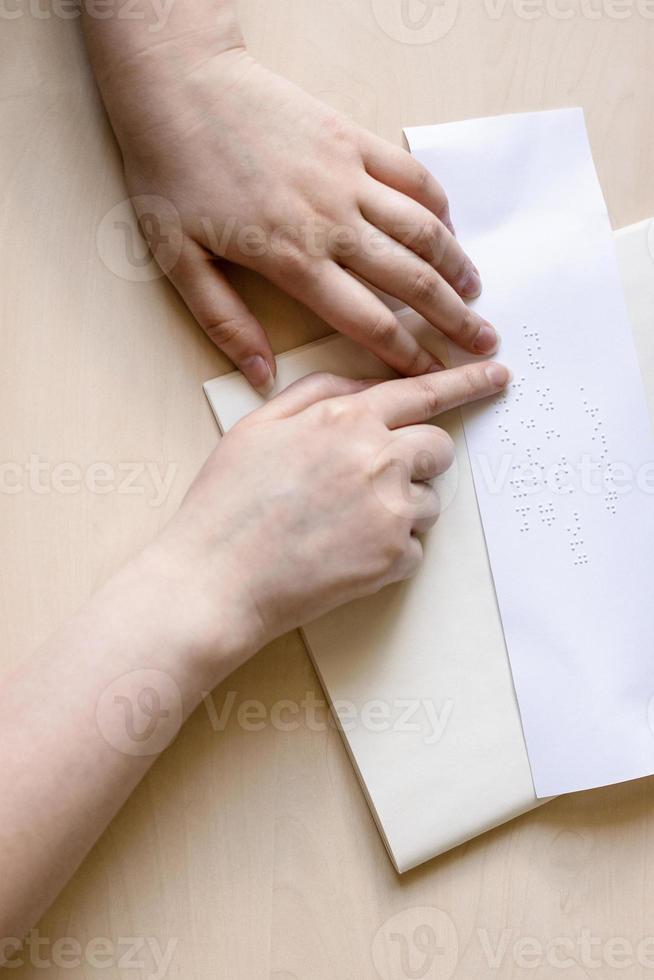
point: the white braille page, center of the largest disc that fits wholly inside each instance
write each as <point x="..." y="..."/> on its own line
<point x="563" y="464"/>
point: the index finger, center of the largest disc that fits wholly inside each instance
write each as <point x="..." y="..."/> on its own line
<point x="410" y="401"/>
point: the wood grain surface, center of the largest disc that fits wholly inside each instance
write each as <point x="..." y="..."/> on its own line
<point x="253" y="852"/>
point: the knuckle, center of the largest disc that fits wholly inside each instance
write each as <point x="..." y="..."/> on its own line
<point x="420" y="178"/>
<point x="424" y="185"/>
<point x="382" y="329"/>
<point x="394" y="546"/>
<point x="333" y="411"/>
<point x="444" y="215"/>
<point x="419" y="362"/>
<point x="443" y="205"/>
<point x="441" y="201"/>
<point x="339" y="128"/>
<point x="430" y="396"/>
<point x="225" y="332"/>
<point x="416" y="235"/>
<point x="434" y="457"/>
<point x="473" y="379"/>
<point x="466" y="279"/>
<point x="294" y="263"/>
<point x="426" y="464"/>
<point x="438" y="242"/>
<point x="323" y="379"/>
<point x="424" y="285"/>
<point x="429" y="240"/>
<point x="463" y="273"/>
<point x="323" y="384"/>
<point x="468" y="326"/>
<point x="343" y="239"/>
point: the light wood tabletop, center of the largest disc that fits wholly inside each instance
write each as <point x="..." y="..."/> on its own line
<point x="252" y="854"/>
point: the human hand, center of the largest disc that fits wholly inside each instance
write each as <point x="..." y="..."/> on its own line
<point x="313" y="500"/>
<point x="251" y="169"/>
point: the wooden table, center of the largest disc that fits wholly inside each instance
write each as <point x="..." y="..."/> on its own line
<point x="254" y="852"/>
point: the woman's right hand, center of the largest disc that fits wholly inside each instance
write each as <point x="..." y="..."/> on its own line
<point x="313" y="500"/>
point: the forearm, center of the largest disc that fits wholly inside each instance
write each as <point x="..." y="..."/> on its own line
<point x="155" y="48"/>
<point x="83" y="721"/>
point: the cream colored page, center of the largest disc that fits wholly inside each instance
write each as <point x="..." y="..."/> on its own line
<point x="449" y="762"/>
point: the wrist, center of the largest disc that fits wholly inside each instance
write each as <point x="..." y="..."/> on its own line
<point x="202" y="613"/>
<point x="141" y="63"/>
<point x="160" y="608"/>
<point x="208" y="26"/>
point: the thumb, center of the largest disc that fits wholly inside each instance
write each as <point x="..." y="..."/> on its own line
<point x="223" y="315"/>
<point x="309" y="390"/>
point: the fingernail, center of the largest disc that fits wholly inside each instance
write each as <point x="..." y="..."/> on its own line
<point x="435" y="366"/>
<point x="470" y="285"/>
<point x="498" y="374"/>
<point x="257" y="371"/>
<point x="486" y="340"/>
